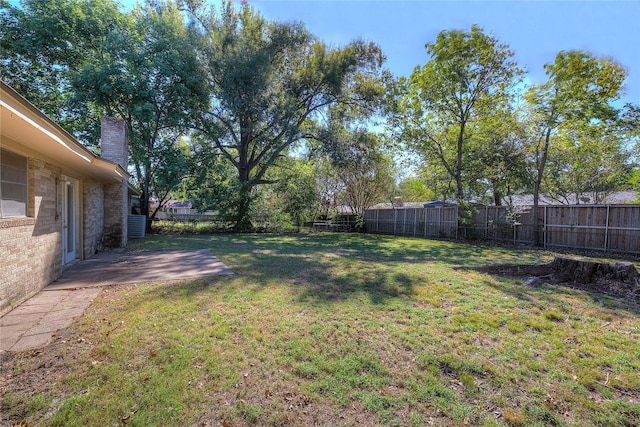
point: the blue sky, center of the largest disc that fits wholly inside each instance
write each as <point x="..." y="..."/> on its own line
<point x="535" y="30"/>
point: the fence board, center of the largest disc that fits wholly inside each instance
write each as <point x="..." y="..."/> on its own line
<point x="608" y="228"/>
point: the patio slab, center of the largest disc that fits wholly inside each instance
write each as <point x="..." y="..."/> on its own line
<point x="34" y="322"/>
<point x="111" y="268"/>
<point x="31" y="325"/>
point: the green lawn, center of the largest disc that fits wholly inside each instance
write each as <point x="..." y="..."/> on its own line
<point x="340" y="329"/>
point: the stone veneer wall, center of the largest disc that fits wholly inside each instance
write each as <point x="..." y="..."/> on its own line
<point x="93" y="216"/>
<point x="31" y="247"/>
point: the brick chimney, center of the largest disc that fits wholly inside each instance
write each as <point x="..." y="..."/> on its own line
<point x="113" y="141"/>
<point x="115" y="148"/>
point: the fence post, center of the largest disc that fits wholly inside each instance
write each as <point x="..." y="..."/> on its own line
<point x="486" y="222"/>
<point x="606" y="231"/>
<point x="424" y="216"/>
<point x="457" y="220"/>
<point x="395" y="219"/>
<point x="572" y="237"/>
<point x="544" y="227"/>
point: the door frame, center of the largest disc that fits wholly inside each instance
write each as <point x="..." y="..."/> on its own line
<point x="70" y="219"/>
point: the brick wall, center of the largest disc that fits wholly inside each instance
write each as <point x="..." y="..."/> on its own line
<point x="93" y="216"/>
<point x="115" y="214"/>
<point x="31" y="247"/>
<point x="115" y="147"/>
<point x="113" y="141"/>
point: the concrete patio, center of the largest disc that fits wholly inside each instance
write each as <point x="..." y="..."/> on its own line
<point x="34" y="322"/>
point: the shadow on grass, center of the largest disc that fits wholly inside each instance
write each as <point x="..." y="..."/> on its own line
<point x="323" y="268"/>
<point x="548" y="296"/>
<point x="329" y="267"/>
<point x="362" y="247"/>
<point x="379" y="285"/>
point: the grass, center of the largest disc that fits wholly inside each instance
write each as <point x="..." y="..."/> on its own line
<point x="339" y="329"/>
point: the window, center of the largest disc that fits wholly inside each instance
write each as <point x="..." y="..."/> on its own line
<point x="13" y="185"/>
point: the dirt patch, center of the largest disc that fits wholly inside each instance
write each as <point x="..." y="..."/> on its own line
<point x="24" y="375"/>
<point x="620" y="280"/>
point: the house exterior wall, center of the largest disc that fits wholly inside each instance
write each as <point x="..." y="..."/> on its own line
<point x="115" y="147"/>
<point x="115" y="218"/>
<point x="31" y="247"/>
<point x="92" y="216"/>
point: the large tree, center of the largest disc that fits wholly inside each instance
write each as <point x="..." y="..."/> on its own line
<point x="44" y="43"/>
<point x="79" y="60"/>
<point x="364" y="170"/>
<point x="469" y="73"/>
<point x="497" y="159"/>
<point x="580" y="90"/>
<point x="269" y="81"/>
<point x="590" y="161"/>
<point x="147" y="74"/>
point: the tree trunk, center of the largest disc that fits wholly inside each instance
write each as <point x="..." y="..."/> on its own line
<point x="536" y="215"/>
<point x="462" y="211"/>
<point x="459" y="187"/>
<point x="242" y="221"/>
<point x="497" y="195"/>
<point x="144" y="207"/>
<point x="536" y="188"/>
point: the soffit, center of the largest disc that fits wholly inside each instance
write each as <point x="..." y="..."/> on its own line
<point x="21" y="122"/>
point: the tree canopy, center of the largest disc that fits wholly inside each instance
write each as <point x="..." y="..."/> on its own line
<point x="575" y="101"/>
<point x="269" y="82"/>
<point x="469" y="75"/>
<point x="228" y="108"/>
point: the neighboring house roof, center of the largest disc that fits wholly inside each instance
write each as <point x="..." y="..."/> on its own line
<point x="614" y="198"/>
<point x="437" y="204"/>
<point x="411" y="205"/>
<point x="344" y="210"/>
<point x="22" y="121"/>
<point x="178" y="204"/>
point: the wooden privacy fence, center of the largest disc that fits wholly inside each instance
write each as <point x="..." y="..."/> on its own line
<point x="608" y="228"/>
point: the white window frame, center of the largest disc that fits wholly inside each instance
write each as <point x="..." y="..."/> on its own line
<point x="13" y="179"/>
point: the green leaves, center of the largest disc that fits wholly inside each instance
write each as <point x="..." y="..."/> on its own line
<point x="576" y="99"/>
<point x="269" y="81"/>
<point x="469" y="75"/>
<point x="44" y="44"/>
<point x="150" y="77"/>
<point x="580" y="86"/>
